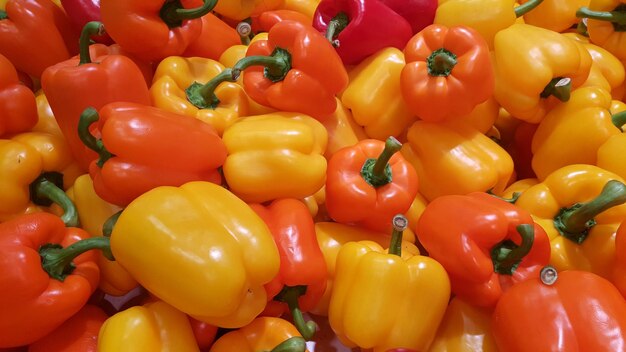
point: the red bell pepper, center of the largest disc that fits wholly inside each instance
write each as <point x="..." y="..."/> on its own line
<point x="18" y="109"/>
<point x="43" y="284"/>
<point x="204" y="333"/>
<point x="301" y="280"/>
<point x="75" y="84"/>
<point x="369" y="183"/>
<point x="419" y="13"/>
<point x="571" y="311"/>
<point x="143" y="147"/>
<point x="359" y="28"/>
<point x="81" y="12"/>
<point x="485" y="244"/>
<point x="35" y="34"/>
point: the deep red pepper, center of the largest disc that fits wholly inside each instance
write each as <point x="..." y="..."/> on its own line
<point x="359" y="28"/>
<point x="419" y="13"/>
<point x="80" y="12"/>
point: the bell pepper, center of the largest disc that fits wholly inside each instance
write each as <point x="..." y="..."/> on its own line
<point x="331" y="236"/>
<point x="275" y="156"/>
<point x="565" y="311"/>
<point x="154" y="30"/>
<point x="78" y="334"/>
<point x="520" y="149"/>
<point x="236" y="9"/>
<point x="215" y="37"/>
<point x="547" y="66"/>
<point x="488" y="17"/>
<point x="75" y="84"/>
<point x="342" y="129"/>
<point x="306" y="7"/>
<point x="301" y="280"/>
<point x="171" y="91"/>
<point x="609" y="155"/>
<point x="585" y="119"/>
<point x="360" y="28"/>
<point x="219" y="253"/>
<point x="483" y="117"/>
<point x="606" y="25"/>
<point x="555" y="15"/>
<point x="465" y="328"/>
<point x="45" y="290"/>
<point x="471" y="161"/>
<point x="81" y="12"/>
<point x="203" y="332"/>
<point x="374" y="95"/>
<point x="45" y="118"/>
<point x="264" y="21"/>
<point x="368" y="184"/>
<point x="18" y="110"/>
<point x="368" y="278"/>
<point x="155" y="326"/>
<point x="419" y="13"/>
<point x="490" y="245"/>
<point x="37" y="167"/>
<point x="23" y="26"/>
<point x="579" y="208"/>
<point x="448" y="72"/>
<point x="618" y="275"/>
<point x="263" y="334"/>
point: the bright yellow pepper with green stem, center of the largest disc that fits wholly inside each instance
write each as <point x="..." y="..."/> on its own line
<point x="155" y="326"/>
<point x="374" y="95"/>
<point x="455" y="158"/>
<point x="199" y="248"/>
<point x="535" y="69"/>
<point x="263" y="334"/>
<point x="555" y="15"/>
<point x="279" y="155"/>
<point x="611" y="154"/>
<point x="606" y="25"/>
<point x="377" y="295"/>
<point x="580" y="207"/>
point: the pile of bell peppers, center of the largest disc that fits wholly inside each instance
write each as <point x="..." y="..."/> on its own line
<point x="312" y="175"/>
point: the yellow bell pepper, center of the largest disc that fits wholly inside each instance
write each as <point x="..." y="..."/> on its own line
<point x="331" y="236"/>
<point x="93" y="212"/>
<point x="535" y="68"/>
<point x="176" y="74"/>
<point x="415" y="211"/>
<point x="465" y="328"/>
<point x="274" y="156"/>
<point x="377" y="295"/>
<point x="374" y="97"/>
<point x="305" y="7"/>
<point x="606" y="25"/>
<point x="572" y="132"/>
<point x="483" y="116"/>
<point x="199" y="248"/>
<point x="611" y="153"/>
<point x="555" y="15"/>
<point x="262" y="334"/>
<point x="267" y="5"/>
<point x="46" y="122"/>
<point x="237" y="9"/>
<point x="26" y="157"/>
<point x="155" y="326"/>
<point x="456" y="159"/>
<point x="581" y="231"/>
<point x="342" y="130"/>
<point x="605" y="64"/>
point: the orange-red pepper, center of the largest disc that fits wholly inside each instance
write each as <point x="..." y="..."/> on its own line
<point x="216" y="36"/>
<point x="18" y="110"/>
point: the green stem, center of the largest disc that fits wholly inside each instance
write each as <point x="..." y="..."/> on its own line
<point x="87" y="118"/>
<point x="576" y="221"/>
<point x="292" y="344"/>
<point x="57" y="261"/>
<point x="277" y="65"/>
<point x="377" y="172"/>
<point x="90" y="29"/>
<point x="173" y="13"/>
<point x="619" y="119"/>
<point x="507" y="255"/>
<point x="559" y="87"/>
<point x="3" y="15"/>
<point x="581" y="28"/>
<point x="290" y="295"/>
<point x="617" y="16"/>
<point x="511" y="200"/>
<point x="48" y="189"/>
<point x="109" y="224"/>
<point x="524" y="8"/>
<point x="335" y="26"/>
<point x="400" y="223"/>
<point x="441" y="62"/>
<point x="203" y="96"/>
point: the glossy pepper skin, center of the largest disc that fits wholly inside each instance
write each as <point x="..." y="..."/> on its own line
<point x="237" y="9"/>
<point x="555" y="15"/>
<point x="310" y="74"/>
<point x="278" y="155"/>
<point x="37" y="303"/>
<point x="154" y="30"/>
<point x="78" y="334"/>
<point x="140" y="148"/>
<point x="490" y="245"/>
<point x="262" y="334"/>
<point x="80" y="12"/>
<point x="362" y="188"/>
<point x="528" y="86"/>
<point x="586" y="242"/>
<point x="471" y="161"/>
<point x="368" y="26"/>
<point x="606" y="25"/>
<point x="264" y="21"/>
<point x="301" y="280"/>
<point x="609" y="153"/>
<point x="215" y="37"/>
<point x="448" y="72"/>
<point x="342" y="130"/>
<point x="219" y="254"/>
<point x="155" y="326"/>
<point x="585" y="311"/>
<point x="23" y="26"/>
<point x="618" y="277"/>
<point x="73" y="85"/>
<point x="18" y="110"/>
<point x="176" y="74"/>
<point x="419" y="13"/>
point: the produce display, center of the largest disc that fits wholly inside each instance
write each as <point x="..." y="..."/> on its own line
<point x="313" y="175"/>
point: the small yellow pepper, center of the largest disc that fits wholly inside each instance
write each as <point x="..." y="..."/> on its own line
<point x="262" y="334"/>
<point x="274" y="156"/>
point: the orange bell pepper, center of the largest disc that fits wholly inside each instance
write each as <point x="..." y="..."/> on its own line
<point x="215" y="37"/>
<point x="266" y="334"/>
